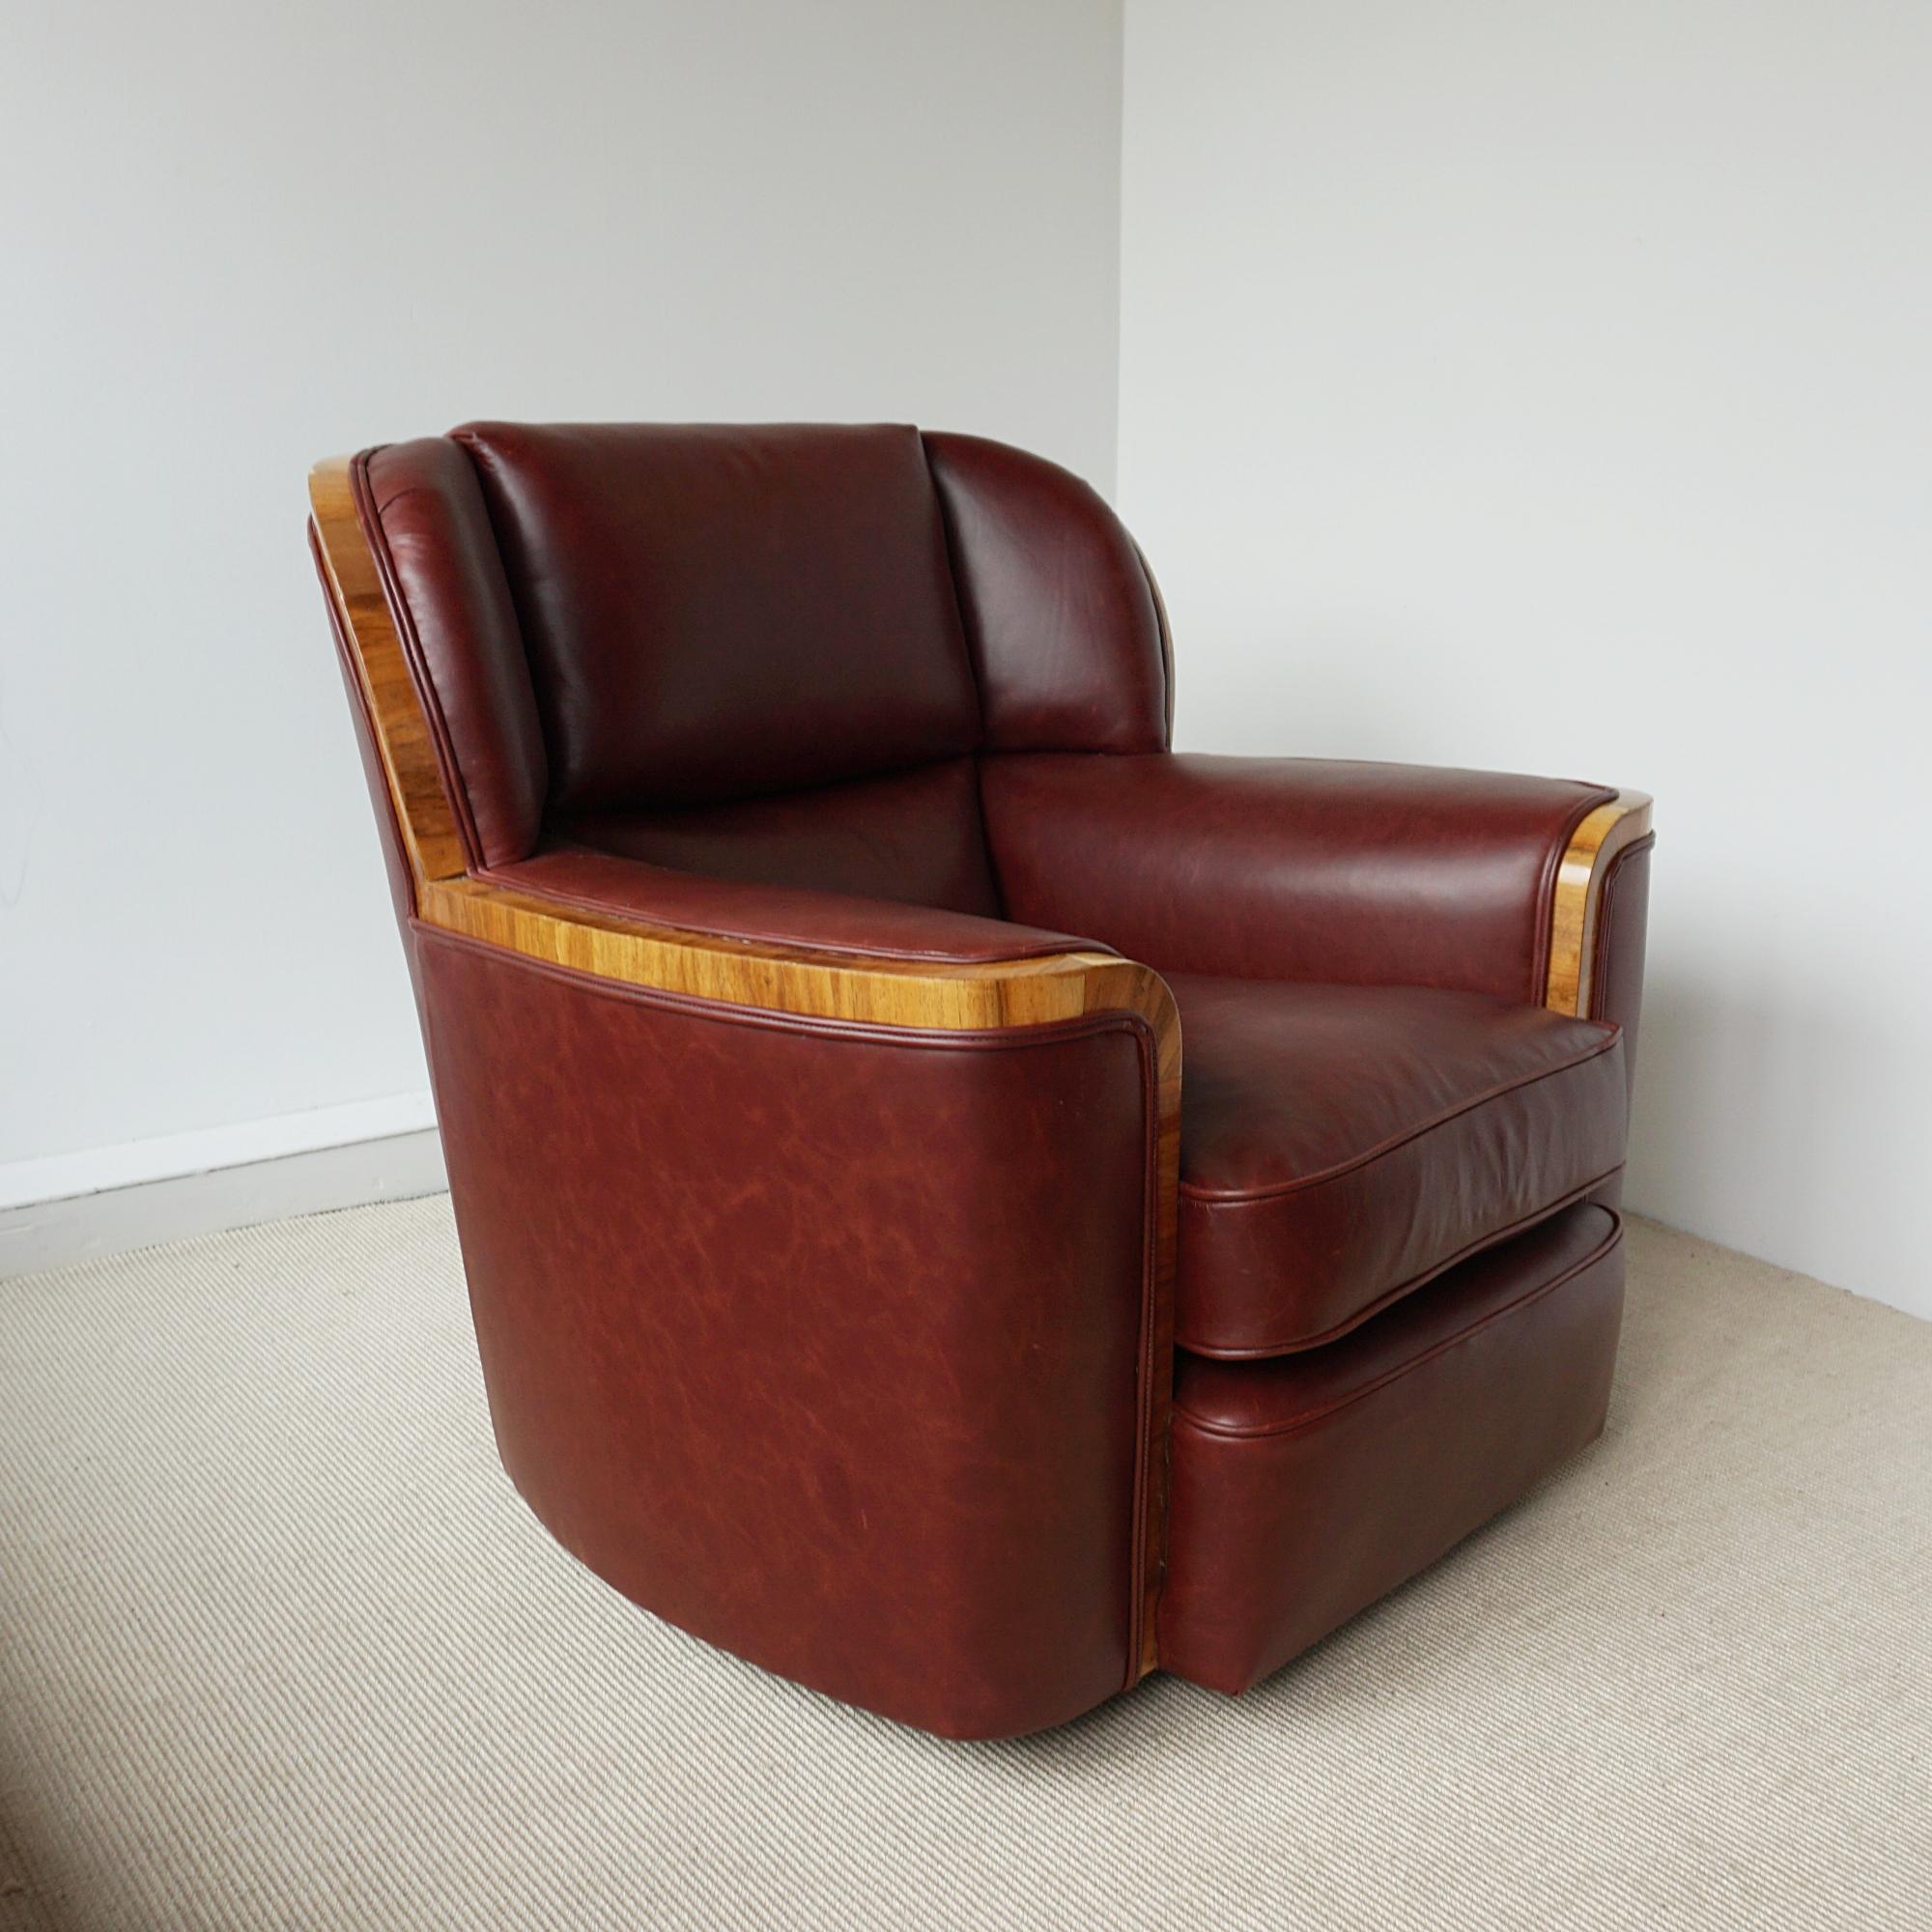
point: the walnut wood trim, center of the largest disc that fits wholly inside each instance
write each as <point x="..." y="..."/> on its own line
<point x="431" y="843"/>
<point x="795" y="979"/>
<point x="802" y="980"/>
<point x="1581" y="877"/>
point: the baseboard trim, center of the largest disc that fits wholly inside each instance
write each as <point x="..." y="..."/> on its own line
<point x="73" y="1208"/>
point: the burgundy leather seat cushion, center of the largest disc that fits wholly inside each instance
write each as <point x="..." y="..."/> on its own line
<point x="1341" y="1144"/>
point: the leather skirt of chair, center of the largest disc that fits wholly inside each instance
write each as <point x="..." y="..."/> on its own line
<point x="1307" y="1486"/>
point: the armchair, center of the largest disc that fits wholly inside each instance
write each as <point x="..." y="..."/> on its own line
<point x="805" y="912"/>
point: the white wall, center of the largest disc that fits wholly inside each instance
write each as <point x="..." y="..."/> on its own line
<point x="1547" y="384"/>
<point x="1530" y="385"/>
<point x="236" y="238"/>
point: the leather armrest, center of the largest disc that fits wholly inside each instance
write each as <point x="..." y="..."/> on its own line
<point x="808" y="953"/>
<point x="1298" y="869"/>
<point x="782" y="915"/>
<point x="845" y="1347"/>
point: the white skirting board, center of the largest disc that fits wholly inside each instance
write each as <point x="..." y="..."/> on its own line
<point x="70" y="1207"/>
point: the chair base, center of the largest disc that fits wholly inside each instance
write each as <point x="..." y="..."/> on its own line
<point x="1306" y="1486"/>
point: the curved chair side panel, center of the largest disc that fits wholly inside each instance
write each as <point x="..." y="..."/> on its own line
<point x="839" y="1347"/>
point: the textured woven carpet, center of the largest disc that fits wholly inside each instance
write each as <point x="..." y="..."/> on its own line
<point x="279" y="1647"/>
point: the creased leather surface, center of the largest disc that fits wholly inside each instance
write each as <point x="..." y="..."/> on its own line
<point x="714" y="611"/>
<point x="1305" y="1488"/>
<point x="1339" y="1144"/>
<point x="780" y="914"/>
<point x="1062" y="616"/>
<point x="912" y="836"/>
<point x="1289" y="868"/>
<point x="424" y="516"/>
<point x="822" y="1341"/>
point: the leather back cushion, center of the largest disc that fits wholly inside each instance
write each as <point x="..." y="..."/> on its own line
<point x="722" y="612"/>
<point x="760" y="653"/>
<point x="1067" y="631"/>
<point x="427" y="528"/>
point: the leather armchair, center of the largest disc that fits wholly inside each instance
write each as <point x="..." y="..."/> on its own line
<point x="805" y="912"/>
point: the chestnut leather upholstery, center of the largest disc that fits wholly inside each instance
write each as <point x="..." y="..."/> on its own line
<point x="826" y="922"/>
<point x="1342" y="1144"/>
<point x="912" y="836"/>
<point x="753" y="1392"/>
<point x="1304" y="1487"/>
<point x="1067" y="635"/>
<point x="717" y="612"/>
<point x="1291" y="868"/>
<point x="841" y="1344"/>
<point x="446" y="587"/>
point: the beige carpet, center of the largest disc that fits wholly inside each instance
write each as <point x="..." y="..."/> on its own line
<point x="279" y="1647"/>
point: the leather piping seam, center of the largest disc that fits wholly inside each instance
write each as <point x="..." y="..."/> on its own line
<point x="1600" y="964"/>
<point x="884" y="1032"/>
<point x="352" y="668"/>
<point x="795" y="948"/>
<point x="969" y="629"/>
<point x="975" y="653"/>
<point x="1298" y="1345"/>
<point x="1594" y="797"/>
<point x="1165" y="634"/>
<point x="363" y="495"/>
<point x="1047" y="1032"/>
<point x="1309" y="1418"/>
<point x="1144" y="1600"/>
<point x="1242" y="1197"/>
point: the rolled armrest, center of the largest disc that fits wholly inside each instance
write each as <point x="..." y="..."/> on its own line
<point x="787" y="916"/>
<point x="842" y="1345"/>
<point x="1311" y="870"/>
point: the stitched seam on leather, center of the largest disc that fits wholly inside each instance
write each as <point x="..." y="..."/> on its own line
<point x="1259" y="1350"/>
<point x="1600" y="966"/>
<point x="773" y="1017"/>
<point x="1166" y="637"/>
<point x="587" y="903"/>
<point x="386" y="802"/>
<point x="1546" y="894"/>
<point x="969" y="638"/>
<point x="1145" y="1539"/>
<point x="362" y="493"/>
<point x="1242" y="1197"/>
<point x="993" y="871"/>
<point x="1308" y="1418"/>
<point x="969" y="632"/>
<point x="482" y="459"/>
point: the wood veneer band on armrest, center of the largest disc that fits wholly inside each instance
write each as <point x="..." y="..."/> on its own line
<point x="790" y="978"/>
<point x="1585" y="866"/>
